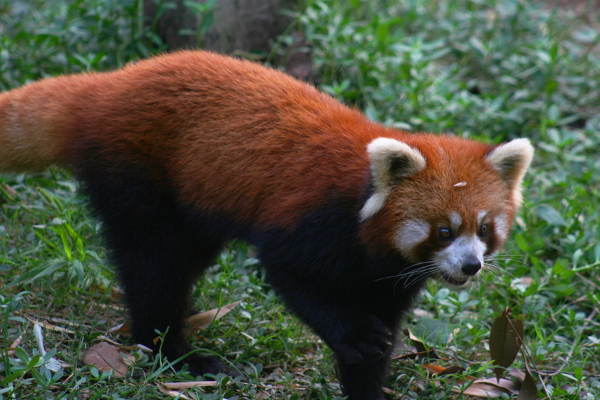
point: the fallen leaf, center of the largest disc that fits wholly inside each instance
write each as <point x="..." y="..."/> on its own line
<point x="106" y="357"/>
<point x="506" y="384"/>
<point x="454" y="369"/>
<point x="419" y="345"/>
<point x="49" y="326"/>
<point x="202" y="320"/>
<point x="172" y="393"/>
<point x="517" y="374"/>
<point x="505" y="342"/>
<point x="188" y="385"/>
<point x="421" y="350"/>
<point x="123" y="329"/>
<point x="14" y="345"/>
<point x="481" y="390"/>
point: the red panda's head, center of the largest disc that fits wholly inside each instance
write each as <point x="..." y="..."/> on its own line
<point x="444" y="203"/>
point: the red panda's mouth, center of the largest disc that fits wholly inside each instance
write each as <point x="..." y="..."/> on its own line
<point x="455" y="281"/>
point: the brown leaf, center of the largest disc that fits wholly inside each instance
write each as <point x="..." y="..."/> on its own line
<point x="506" y="384"/>
<point x="105" y="357"/>
<point x="188" y="385"/>
<point x="422" y="351"/>
<point x="51" y="327"/>
<point x="505" y="341"/>
<point x="202" y="320"/>
<point x="481" y="390"/>
<point x="419" y="345"/>
<point x="453" y="369"/>
<point x="528" y="387"/>
<point x="436" y="369"/>
<point x="11" y="349"/>
<point x="123" y="329"/>
<point x="172" y="393"/>
<point x="517" y="374"/>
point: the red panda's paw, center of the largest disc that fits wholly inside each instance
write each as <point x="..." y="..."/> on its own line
<point x="367" y="340"/>
<point x="199" y="365"/>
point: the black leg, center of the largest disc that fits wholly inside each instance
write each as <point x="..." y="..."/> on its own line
<point x="361" y="341"/>
<point x="158" y="252"/>
<point x="158" y="278"/>
<point x="364" y="380"/>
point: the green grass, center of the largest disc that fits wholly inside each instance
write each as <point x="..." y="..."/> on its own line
<point x="490" y="70"/>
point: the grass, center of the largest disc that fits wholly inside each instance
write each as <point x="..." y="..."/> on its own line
<point x="490" y="70"/>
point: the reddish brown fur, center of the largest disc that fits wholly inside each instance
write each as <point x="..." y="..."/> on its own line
<point x="263" y="123"/>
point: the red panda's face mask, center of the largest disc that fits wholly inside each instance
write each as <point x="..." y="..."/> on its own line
<point x="445" y="206"/>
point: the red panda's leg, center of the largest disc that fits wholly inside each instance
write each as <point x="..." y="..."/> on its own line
<point x="158" y="254"/>
<point x="157" y="278"/>
<point x="361" y="341"/>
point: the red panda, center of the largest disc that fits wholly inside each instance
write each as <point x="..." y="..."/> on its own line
<point x="184" y="152"/>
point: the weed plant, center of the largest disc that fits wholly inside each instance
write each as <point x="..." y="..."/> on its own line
<point x="490" y="70"/>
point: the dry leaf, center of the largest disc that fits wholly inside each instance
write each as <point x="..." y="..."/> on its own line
<point x="422" y="350"/>
<point x="506" y="384"/>
<point x="202" y="320"/>
<point x="172" y="393"/>
<point x="49" y="326"/>
<point x="505" y="341"/>
<point x="517" y="374"/>
<point x="416" y="342"/>
<point x="481" y="390"/>
<point x="106" y="357"/>
<point x="14" y="345"/>
<point x="454" y="369"/>
<point x="123" y="329"/>
<point x="188" y="385"/>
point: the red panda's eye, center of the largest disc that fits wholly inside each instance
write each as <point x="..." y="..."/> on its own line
<point x="483" y="229"/>
<point x="445" y="233"/>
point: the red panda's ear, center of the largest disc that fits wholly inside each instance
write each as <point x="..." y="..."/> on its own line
<point x="511" y="160"/>
<point x="390" y="161"/>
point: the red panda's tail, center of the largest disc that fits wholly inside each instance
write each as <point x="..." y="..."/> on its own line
<point x="34" y="123"/>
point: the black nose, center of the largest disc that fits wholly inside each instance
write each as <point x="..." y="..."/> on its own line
<point x="471" y="266"/>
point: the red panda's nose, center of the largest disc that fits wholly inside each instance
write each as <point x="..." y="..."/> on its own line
<point x="471" y="266"/>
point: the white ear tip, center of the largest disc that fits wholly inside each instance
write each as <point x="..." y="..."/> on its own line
<point x="523" y="145"/>
<point x="382" y="144"/>
<point x="382" y="148"/>
<point x="520" y="149"/>
<point x="511" y="160"/>
<point x="520" y="146"/>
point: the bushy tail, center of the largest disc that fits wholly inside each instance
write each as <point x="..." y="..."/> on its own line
<point x="34" y="123"/>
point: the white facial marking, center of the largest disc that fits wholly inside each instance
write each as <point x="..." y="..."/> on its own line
<point x="455" y="220"/>
<point x="480" y="216"/>
<point x="460" y="184"/>
<point x="410" y="234"/>
<point x="501" y="226"/>
<point x="451" y="259"/>
<point x="374" y="204"/>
